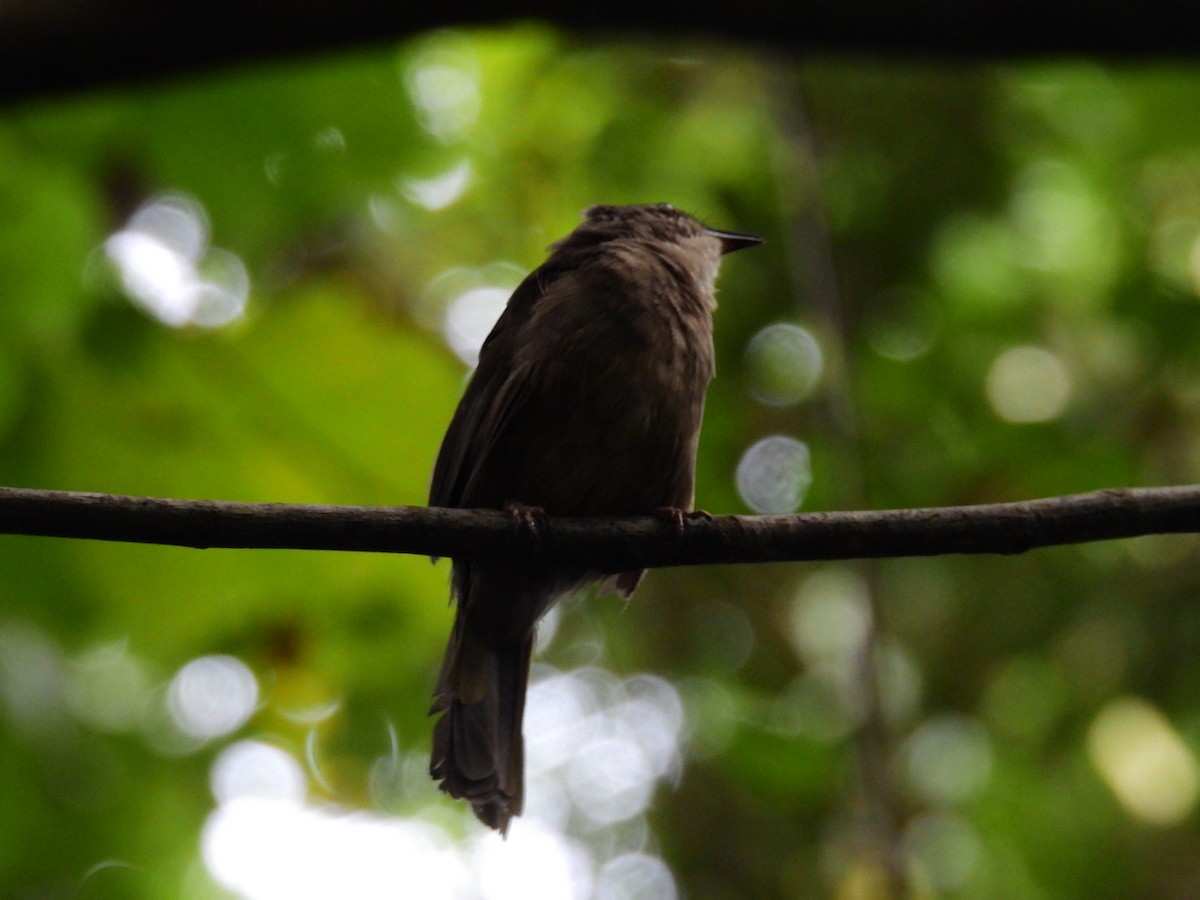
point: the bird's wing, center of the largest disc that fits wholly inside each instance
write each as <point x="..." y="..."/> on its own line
<point x="496" y="391"/>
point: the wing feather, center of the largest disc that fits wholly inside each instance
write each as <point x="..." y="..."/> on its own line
<point x="496" y="391"/>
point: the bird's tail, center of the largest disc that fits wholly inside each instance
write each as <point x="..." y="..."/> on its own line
<point x="478" y="749"/>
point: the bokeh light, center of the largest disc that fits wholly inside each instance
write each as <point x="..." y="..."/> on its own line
<point x="634" y="876"/>
<point x="597" y="746"/>
<point x="829" y="623"/>
<point x="168" y="268"/>
<point x="469" y="320"/>
<point x="1069" y="231"/>
<point x="783" y="364"/>
<point x="31" y="679"/>
<point x="276" y="849"/>
<point x="831" y="616"/>
<point x="437" y="191"/>
<point x="976" y="262"/>
<point x="109" y="688"/>
<point x="774" y="475"/>
<point x="212" y="696"/>
<point x="1143" y="760"/>
<point x="1193" y="264"/>
<point x="947" y="759"/>
<point x="442" y="81"/>
<point x="899" y="680"/>
<point x="463" y="303"/>
<point x="256" y="769"/>
<point x="944" y="848"/>
<point x="1028" y="384"/>
<point x="330" y="139"/>
<point x="607" y="740"/>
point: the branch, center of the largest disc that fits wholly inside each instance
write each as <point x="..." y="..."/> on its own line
<point x="606" y="544"/>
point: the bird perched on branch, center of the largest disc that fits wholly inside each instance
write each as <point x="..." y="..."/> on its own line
<point x="587" y="401"/>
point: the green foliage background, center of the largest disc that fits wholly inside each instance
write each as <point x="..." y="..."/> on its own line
<point x="950" y="211"/>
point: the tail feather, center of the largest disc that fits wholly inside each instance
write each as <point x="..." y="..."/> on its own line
<point x="478" y="749"/>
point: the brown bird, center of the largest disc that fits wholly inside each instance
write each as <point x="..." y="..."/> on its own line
<point x="587" y="401"/>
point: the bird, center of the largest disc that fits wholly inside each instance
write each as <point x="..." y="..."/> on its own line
<point x="586" y="400"/>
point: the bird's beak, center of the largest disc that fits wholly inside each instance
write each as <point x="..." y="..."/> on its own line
<point x="734" y="240"/>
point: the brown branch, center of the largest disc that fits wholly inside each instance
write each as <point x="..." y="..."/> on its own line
<point x="601" y="543"/>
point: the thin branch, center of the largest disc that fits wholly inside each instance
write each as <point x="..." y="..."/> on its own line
<point x="606" y="544"/>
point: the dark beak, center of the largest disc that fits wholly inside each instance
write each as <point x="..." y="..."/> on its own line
<point x="734" y="240"/>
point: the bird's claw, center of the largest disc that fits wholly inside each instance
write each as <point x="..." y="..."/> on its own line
<point x="675" y="517"/>
<point x="530" y="520"/>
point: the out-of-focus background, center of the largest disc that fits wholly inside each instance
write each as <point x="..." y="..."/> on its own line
<point x="980" y="283"/>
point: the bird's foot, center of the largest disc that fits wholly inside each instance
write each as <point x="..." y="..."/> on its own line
<point x="530" y="520"/>
<point x="676" y="517"/>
